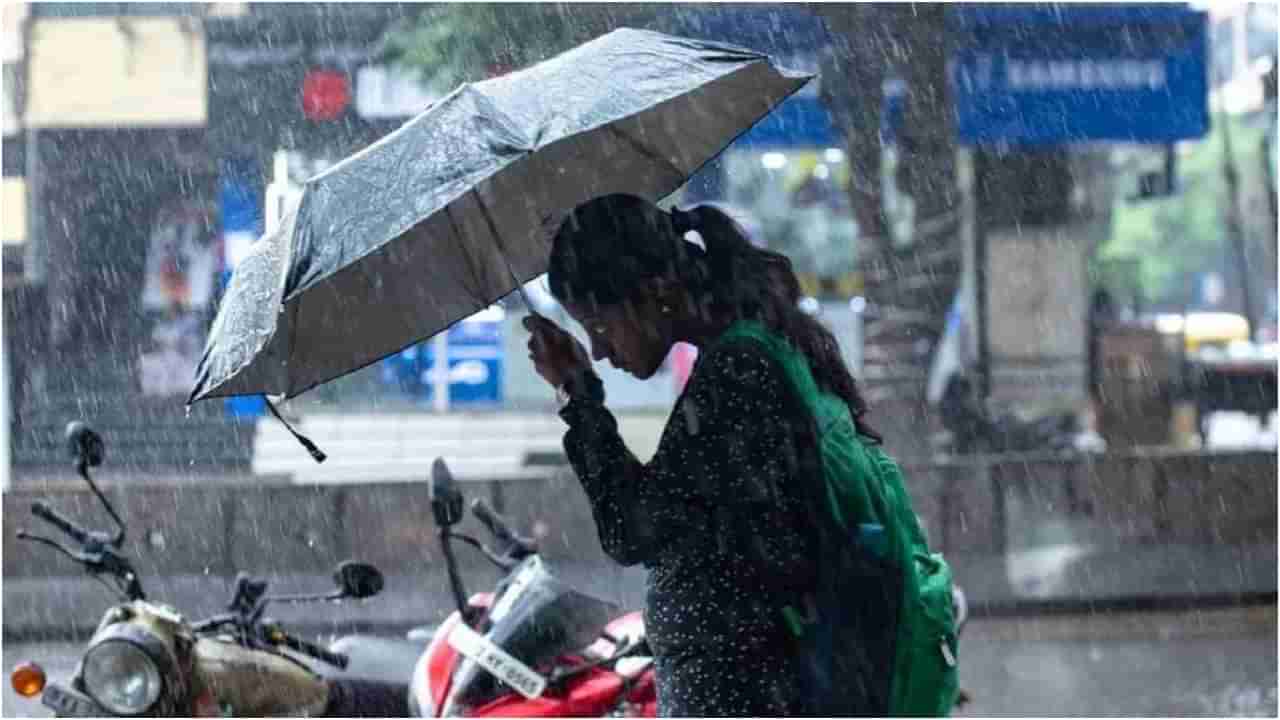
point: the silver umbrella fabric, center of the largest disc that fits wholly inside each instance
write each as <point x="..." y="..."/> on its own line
<point x="456" y="208"/>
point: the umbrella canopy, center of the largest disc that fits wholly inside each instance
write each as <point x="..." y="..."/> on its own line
<point x="457" y="208"/>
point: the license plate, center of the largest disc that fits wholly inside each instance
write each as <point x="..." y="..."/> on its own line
<point x="69" y="703"/>
<point x="489" y="656"/>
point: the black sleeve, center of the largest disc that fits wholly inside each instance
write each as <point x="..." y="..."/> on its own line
<point x="610" y="474"/>
<point x="729" y="452"/>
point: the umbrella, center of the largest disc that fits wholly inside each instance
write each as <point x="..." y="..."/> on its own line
<point x="457" y="207"/>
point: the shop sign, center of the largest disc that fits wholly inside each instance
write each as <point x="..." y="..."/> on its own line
<point x="1057" y="74"/>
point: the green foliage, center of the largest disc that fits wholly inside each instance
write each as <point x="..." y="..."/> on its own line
<point x="462" y="42"/>
<point x="1177" y="236"/>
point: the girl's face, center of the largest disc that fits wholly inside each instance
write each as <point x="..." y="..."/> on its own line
<point x="635" y="335"/>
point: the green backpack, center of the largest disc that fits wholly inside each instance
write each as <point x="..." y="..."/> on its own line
<point x="878" y="636"/>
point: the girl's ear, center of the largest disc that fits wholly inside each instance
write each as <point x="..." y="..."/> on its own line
<point x="670" y="291"/>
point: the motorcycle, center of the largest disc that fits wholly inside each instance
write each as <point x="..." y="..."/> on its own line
<point x="146" y="659"/>
<point x="534" y="647"/>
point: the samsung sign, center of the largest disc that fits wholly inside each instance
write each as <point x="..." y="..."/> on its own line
<point x="1087" y="75"/>
<point x="1057" y="74"/>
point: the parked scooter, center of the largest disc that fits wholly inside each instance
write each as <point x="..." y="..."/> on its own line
<point x="147" y="659"/>
<point x="532" y="648"/>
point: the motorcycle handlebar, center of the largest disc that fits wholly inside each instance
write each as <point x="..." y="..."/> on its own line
<point x="517" y="547"/>
<point x="492" y="520"/>
<point x="43" y="511"/>
<point x="335" y="659"/>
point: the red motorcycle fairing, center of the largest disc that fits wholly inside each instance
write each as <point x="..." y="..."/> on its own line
<point x="595" y="693"/>
<point x="442" y="659"/>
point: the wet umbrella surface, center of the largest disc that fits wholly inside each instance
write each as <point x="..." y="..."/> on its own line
<point x="455" y="209"/>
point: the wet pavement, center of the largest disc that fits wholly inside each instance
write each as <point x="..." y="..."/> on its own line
<point x="1193" y="663"/>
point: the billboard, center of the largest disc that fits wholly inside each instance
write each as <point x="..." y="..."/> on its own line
<point x="1055" y="74"/>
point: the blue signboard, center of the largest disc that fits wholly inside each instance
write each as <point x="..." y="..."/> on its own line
<point x="474" y="358"/>
<point x="475" y="361"/>
<point x="1057" y="74"/>
<point x="794" y="37"/>
<point x="796" y="122"/>
<point x="475" y="376"/>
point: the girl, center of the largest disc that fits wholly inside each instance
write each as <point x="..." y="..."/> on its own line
<point x="719" y="515"/>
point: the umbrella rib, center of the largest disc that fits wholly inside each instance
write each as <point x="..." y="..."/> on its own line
<point x="644" y="150"/>
<point x="293" y="339"/>
<point x="497" y="237"/>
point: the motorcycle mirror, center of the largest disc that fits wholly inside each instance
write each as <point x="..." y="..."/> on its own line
<point x="86" y="446"/>
<point x="358" y="580"/>
<point x="446" y="500"/>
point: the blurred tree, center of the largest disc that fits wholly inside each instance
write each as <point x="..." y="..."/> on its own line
<point x="453" y="43"/>
<point x="1185" y="234"/>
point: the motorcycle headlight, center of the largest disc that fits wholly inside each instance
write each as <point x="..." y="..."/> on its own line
<point x="122" y="677"/>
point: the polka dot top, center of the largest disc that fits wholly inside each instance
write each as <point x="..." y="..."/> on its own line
<point x="716" y="515"/>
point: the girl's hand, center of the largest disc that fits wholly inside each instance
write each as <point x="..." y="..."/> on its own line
<point x="556" y="354"/>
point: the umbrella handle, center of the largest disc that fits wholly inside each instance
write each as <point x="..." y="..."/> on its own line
<point x="535" y="336"/>
<point x="533" y="310"/>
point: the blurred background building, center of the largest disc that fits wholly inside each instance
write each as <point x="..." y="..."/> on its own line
<point x="1039" y="231"/>
<point x="940" y="226"/>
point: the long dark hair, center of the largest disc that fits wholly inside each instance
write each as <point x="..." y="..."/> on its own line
<point x="609" y="245"/>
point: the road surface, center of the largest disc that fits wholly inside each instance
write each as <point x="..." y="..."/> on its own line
<point x="1204" y="663"/>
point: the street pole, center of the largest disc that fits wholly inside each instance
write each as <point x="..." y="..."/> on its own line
<point x="440" y="372"/>
<point x="36" y="252"/>
<point x="1268" y="158"/>
<point x="4" y="414"/>
<point x="1269" y="179"/>
<point x="1235" y="231"/>
<point x="980" y="312"/>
